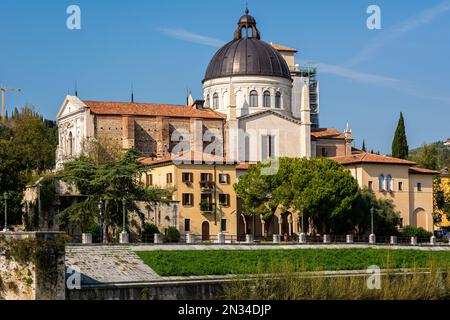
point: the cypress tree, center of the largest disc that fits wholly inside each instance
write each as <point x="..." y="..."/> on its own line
<point x="364" y="146"/>
<point x="400" y="147"/>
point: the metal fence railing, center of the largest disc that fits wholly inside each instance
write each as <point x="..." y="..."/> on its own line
<point x="244" y="239"/>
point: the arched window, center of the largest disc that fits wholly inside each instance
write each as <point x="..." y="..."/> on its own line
<point x="266" y="99"/>
<point x="207" y="101"/>
<point x="381" y="183"/>
<point x="216" y="101"/>
<point x="278" y="100"/>
<point x="389" y="185"/>
<point x="254" y="99"/>
<point x="244" y="32"/>
<point x="70" y="144"/>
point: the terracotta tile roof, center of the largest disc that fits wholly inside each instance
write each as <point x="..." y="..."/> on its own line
<point x="243" y="166"/>
<point x="422" y="171"/>
<point x="189" y="156"/>
<point x="283" y="48"/>
<point x="371" y="158"/>
<point x="326" y="133"/>
<point x="146" y="109"/>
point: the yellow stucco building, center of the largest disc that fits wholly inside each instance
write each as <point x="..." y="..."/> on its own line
<point x="410" y="188"/>
<point x="203" y="188"/>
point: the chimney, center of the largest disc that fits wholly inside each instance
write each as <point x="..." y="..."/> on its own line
<point x="198" y="104"/>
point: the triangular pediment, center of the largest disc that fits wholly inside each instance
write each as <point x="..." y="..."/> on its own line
<point x="71" y="105"/>
<point x="269" y="113"/>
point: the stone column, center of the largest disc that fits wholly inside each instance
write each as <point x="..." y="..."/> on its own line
<point x="276" y="238"/>
<point x="350" y="238"/>
<point x="326" y="238"/>
<point x="290" y="225"/>
<point x="190" y="238"/>
<point x="221" y="238"/>
<point x="393" y="240"/>
<point x="372" y="239"/>
<point x="433" y="241"/>
<point x="159" y="239"/>
<point x="86" y="238"/>
<point x="263" y="228"/>
<point x="249" y="238"/>
<point x="302" y="238"/>
<point x="414" y="241"/>
<point x="124" y="237"/>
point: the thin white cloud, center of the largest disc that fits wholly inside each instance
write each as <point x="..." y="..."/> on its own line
<point x="357" y="75"/>
<point x="188" y="36"/>
<point x="379" y="80"/>
<point x="423" y="18"/>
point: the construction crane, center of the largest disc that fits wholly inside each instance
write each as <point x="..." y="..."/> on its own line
<point x="4" y="90"/>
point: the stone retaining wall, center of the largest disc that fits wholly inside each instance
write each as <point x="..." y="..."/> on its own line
<point x="31" y="279"/>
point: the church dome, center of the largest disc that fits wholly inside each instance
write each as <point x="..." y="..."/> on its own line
<point x="247" y="55"/>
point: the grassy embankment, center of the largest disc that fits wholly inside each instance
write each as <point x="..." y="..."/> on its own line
<point x="225" y="262"/>
<point x="276" y="277"/>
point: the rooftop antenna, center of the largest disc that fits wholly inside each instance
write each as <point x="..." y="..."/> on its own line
<point x="132" y="92"/>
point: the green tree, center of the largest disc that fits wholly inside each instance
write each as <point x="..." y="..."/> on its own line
<point x="27" y="147"/>
<point x="364" y="146"/>
<point x="386" y="218"/>
<point x="427" y="157"/>
<point x="111" y="183"/>
<point x="12" y="181"/>
<point x="400" y="147"/>
<point x="33" y="140"/>
<point x="322" y="187"/>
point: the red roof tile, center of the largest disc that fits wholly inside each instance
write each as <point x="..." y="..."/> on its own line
<point x="283" y="48"/>
<point x="371" y="158"/>
<point x="145" y="109"/>
<point x="327" y="133"/>
<point x="243" y="166"/>
<point x="422" y="171"/>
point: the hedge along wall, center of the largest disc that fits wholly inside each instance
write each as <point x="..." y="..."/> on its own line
<point x="32" y="266"/>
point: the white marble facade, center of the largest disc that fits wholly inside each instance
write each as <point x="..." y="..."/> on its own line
<point x="74" y="127"/>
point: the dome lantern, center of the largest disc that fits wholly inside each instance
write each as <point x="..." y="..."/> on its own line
<point x="247" y="23"/>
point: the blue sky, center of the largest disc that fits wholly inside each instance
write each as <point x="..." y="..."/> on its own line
<point x="367" y="76"/>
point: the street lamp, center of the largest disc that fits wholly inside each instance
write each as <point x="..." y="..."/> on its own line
<point x="124" y="210"/>
<point x="302" y="236"/>
<point x="372" y="210"/>
<point x="372" y="237"/>
<point x="303" y="213"/>
<point x="124" y="237"/>
<point x="6" y="197"/>
<point x="100" y="206"/>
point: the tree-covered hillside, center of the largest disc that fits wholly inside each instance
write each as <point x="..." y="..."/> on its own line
<point x="431" y="156"/>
